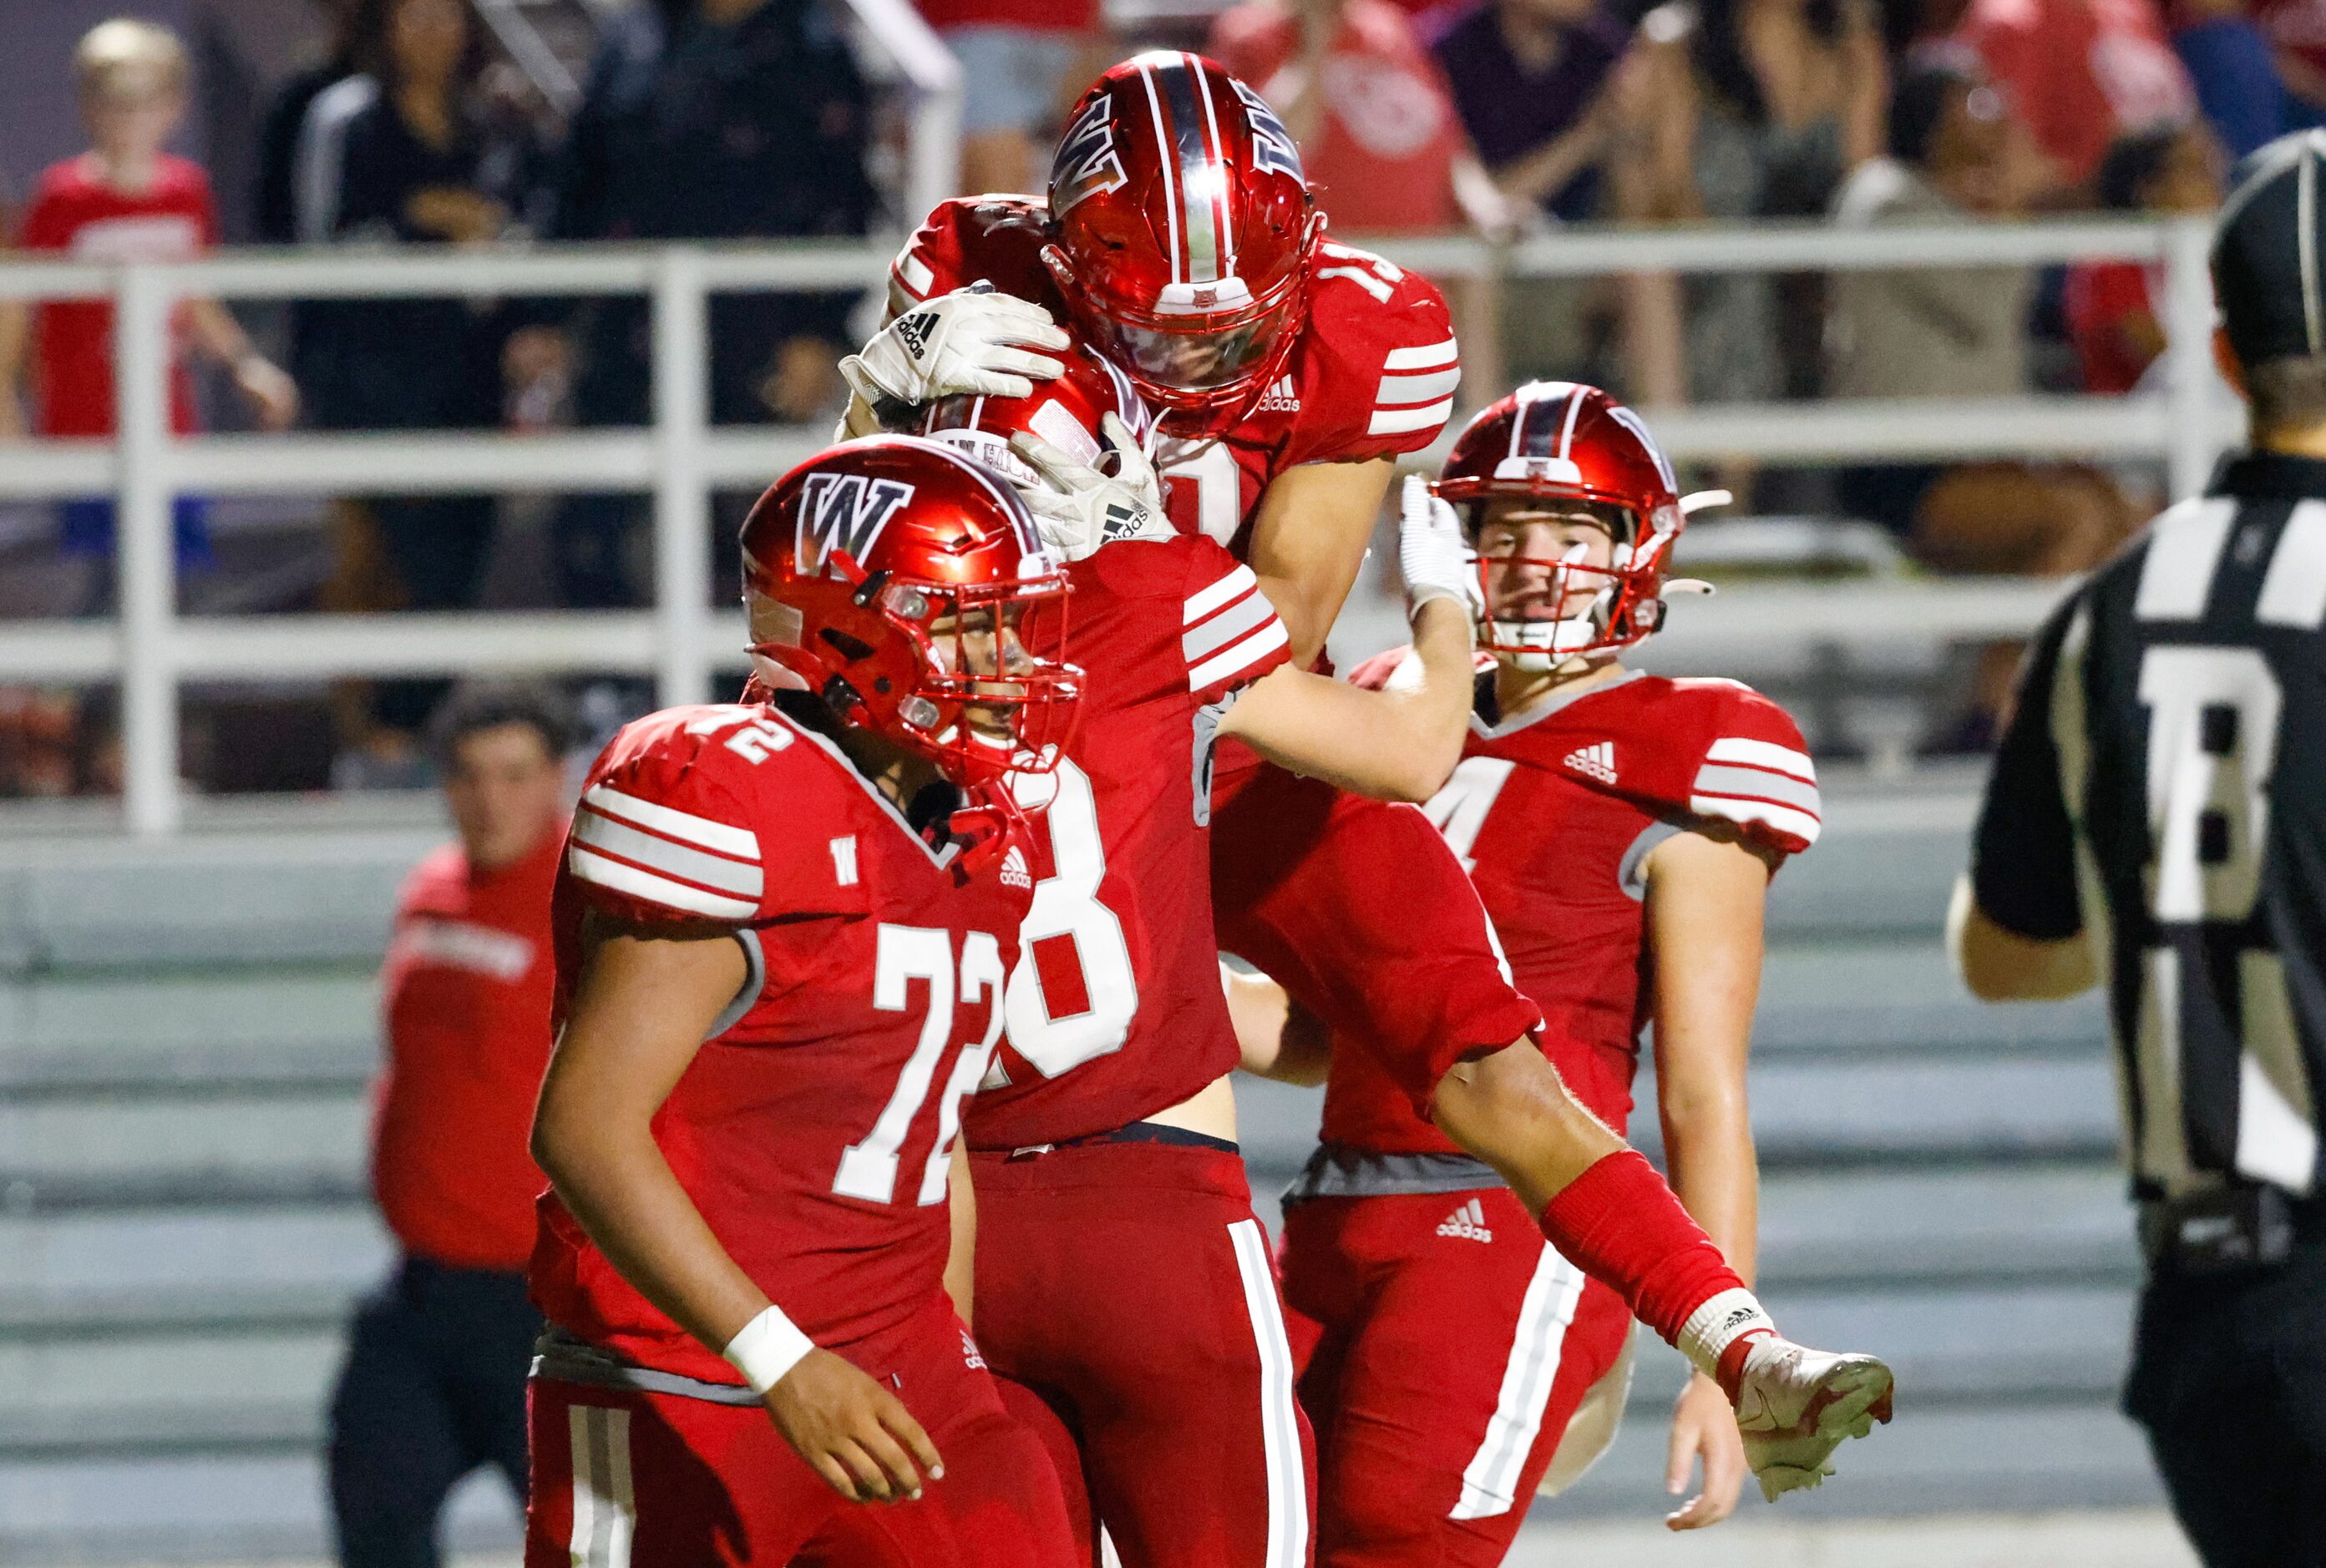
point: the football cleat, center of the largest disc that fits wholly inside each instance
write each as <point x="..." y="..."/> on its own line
<point x="1796" y="1406"/>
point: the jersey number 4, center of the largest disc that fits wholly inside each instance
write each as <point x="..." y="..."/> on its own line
<point x="867" y="1167"/>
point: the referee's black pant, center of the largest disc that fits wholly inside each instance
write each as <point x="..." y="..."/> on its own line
<point x="434" y="1387"/>
<point x="2228" y="1375"/>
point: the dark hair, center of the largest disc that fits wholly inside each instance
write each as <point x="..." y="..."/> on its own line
<point x="2132" y="160"/>
<point x="1719" y="54"/>
<point x="2287" y="394"/>
<point x="1918" y="107"/>
<point x="367" y="48"/>
<point x="474" y="707"/>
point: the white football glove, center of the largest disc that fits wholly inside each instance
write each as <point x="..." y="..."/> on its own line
<point x="1431" y="553"/>
<point x="971" y="340"/>
<point x="1078" y="508"/>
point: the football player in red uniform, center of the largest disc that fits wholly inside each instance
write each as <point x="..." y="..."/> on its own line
<point x="776" y="982"/>
<point x="1622" y="830"/>
<point x="1120" y="1271"/>
<point x="1180" y="236"/>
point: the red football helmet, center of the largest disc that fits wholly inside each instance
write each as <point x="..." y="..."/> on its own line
<point x="1563" y="441"/>
<point x="1069" y="413"/>
<point x="1182" y="228"/>
<point x="853" y="559"/>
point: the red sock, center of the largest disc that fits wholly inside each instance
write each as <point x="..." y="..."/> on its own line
<point x="1620" y="1223"/>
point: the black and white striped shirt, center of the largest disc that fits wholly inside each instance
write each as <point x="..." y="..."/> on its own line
<point x="2161" y="790"/>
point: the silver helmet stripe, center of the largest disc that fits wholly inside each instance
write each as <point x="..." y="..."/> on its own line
<point x="1219" y="148"/>
<point x="1164" y="146"/>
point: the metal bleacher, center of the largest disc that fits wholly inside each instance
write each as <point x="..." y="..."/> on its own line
<point x="187" y="1038"/>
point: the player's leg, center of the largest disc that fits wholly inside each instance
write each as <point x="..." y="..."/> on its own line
<point x="1476" y="1343"/>
<point x="490" y="1327"/>
<point x="1363" y="914"/>
<point x="394" y="1450"/>
<point x="1043" y="1419"/>
<point x="1131" y="1283"/>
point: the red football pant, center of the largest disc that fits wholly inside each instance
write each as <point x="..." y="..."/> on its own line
<point x="1359" y="909"/>
<point x="629" y="1479"/>
<point x="1130" y="1286"/>
<point x="1442" y="1357"/>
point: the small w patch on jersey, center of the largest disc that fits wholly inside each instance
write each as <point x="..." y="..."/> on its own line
<point x="1596" y="760"/>
<point x="844" y="511"/>
<point x="1467" y="1223"/>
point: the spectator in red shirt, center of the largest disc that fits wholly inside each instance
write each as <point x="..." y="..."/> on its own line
<point x="1369" y="107"/>
<point x="124" y="201"/>
<point x="433" y="1385"/>
<point x="2115" y="307"/>
<point x="2080" y="72"/>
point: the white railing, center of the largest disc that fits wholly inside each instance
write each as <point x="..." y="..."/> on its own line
<point x="680" y="459"/>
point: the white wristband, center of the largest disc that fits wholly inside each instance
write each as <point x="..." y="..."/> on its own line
<point x="764" y="1349"/>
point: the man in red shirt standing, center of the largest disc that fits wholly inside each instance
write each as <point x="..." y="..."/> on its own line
<point x="433" y="1385"/>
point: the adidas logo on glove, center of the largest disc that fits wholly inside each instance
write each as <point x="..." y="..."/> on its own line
<point x="1467" y="1223"/>
<point x="1596" y="760"/>
<point x="914" y="330"/>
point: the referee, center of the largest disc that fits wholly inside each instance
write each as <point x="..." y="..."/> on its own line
<point x="2158" y="806"/>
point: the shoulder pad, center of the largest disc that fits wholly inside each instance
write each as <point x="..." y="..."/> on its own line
<point x="1752" y="768"/>
<point x="1380" y="363"/>
<point x="710" y="813"/>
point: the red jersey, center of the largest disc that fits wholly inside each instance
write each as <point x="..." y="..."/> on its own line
<point x="1372" y="374"/>
<point x="1115" y="1010"/>
<point x="1553" y="816"/>
<point x="2080" y="72"/>
<point x="814" y="1128"/>
<point x="465" y="999"/>
<point x="1382" y="157"/>
<point x="75" y="212"/>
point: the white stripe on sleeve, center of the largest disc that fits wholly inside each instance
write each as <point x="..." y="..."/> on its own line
<point x="1764" y="754"/>
<point x="1247" y="654"/>
<point x="1204" y="600"/>
<point x="1784" y="818"/>
<point x="604" y="834"/>
<point x="594" y="867"/>
<point x="1757" y="783"/>
<point x="1392" y="420"/>
<point x="1489" y="1482"/>
<point x="740" y="842"/>
<point x="1425" y="357"/>
<point x="1423" y="388"/>
<point x="1241" y="618"/>
<point x="913" y="272"/>
<point x="1279" y="1416"/>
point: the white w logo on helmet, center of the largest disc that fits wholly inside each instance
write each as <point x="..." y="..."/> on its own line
<point x="1087" y="162"/>
<point x="844" y="511"/>
<point x="1272" y="146"/>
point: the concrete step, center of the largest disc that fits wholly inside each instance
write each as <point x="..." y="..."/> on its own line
<point x="1851" y="996"/>
<point x="64" y="1031"/>
<point x="278" y="1263"/>
<point x="184" y="1146"/>
<point x="230" y="898"/>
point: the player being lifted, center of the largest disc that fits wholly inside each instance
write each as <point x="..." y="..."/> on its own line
<point x="1621" y="830"/>
<point x="1121" y="1272"/>
<point x="1180" y="236"/>
<point x="776" y="980"/>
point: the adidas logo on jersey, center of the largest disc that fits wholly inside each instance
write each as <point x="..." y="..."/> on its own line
<point x="971" y="1356"/>
<point x="1467" y="1223"/>
<point x="1013" y="870"/>
<point x="1596" y="760"/>
<point x="1281" y="398"/>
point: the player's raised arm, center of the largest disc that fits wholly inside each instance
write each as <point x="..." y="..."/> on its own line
<point x="1308" y="539"/>
<point x="1401" y="741"/>
<point x="645" y="1001"/>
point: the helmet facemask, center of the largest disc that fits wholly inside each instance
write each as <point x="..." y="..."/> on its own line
<point x="971" y="676"/>
<point x="1561" y="577"/>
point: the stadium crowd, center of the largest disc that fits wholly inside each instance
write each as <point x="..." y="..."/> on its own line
<point x="754" y="118"/>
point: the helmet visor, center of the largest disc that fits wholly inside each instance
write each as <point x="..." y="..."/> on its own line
<point x="1189" y="360"/>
